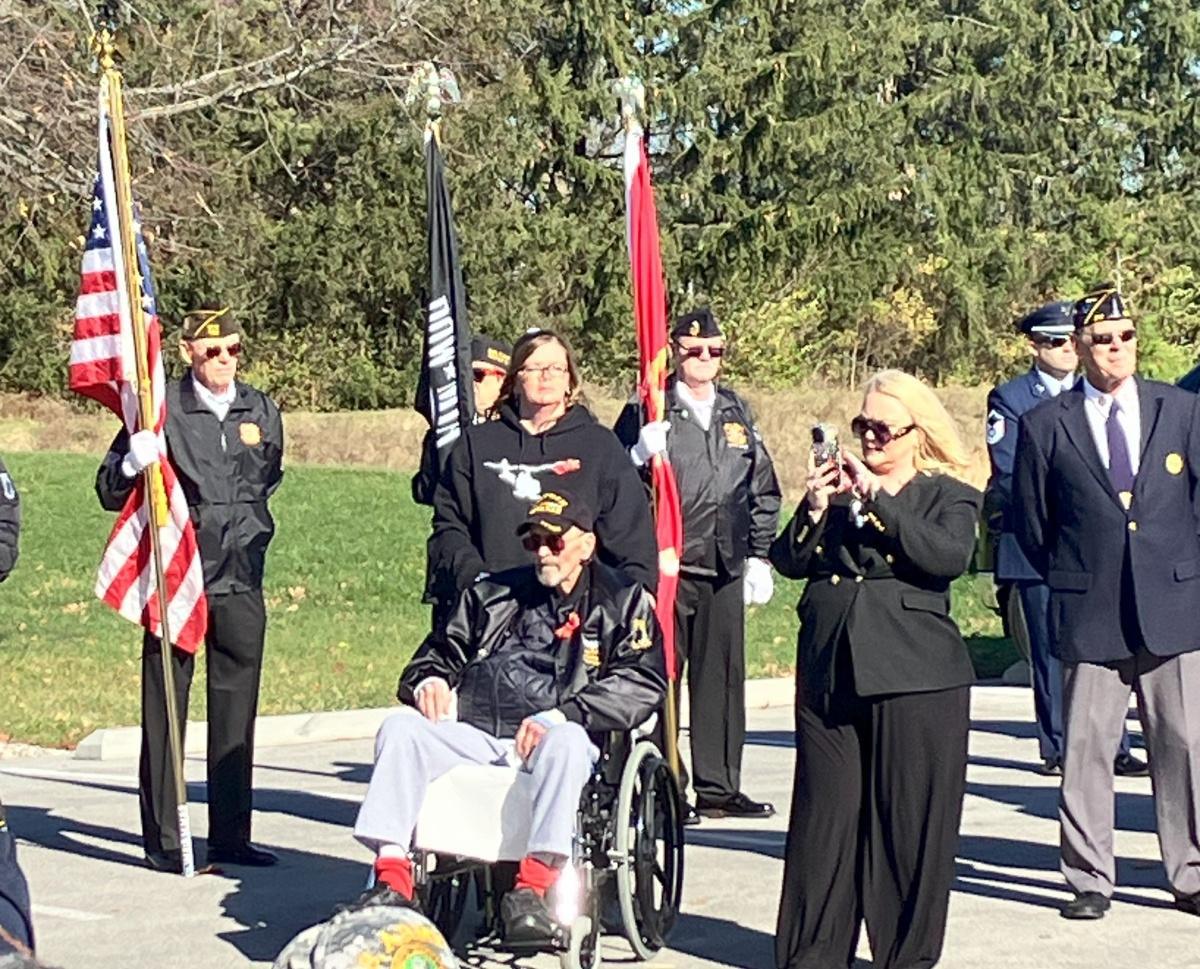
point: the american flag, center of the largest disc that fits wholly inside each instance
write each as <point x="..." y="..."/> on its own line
<point x="103" y="367"/>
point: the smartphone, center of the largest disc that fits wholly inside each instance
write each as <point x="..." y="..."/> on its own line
<point x="825" y="444"/>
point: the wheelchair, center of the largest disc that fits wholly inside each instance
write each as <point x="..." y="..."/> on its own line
<point x="625" y="876"/>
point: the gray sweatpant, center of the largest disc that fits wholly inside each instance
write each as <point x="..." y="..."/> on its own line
<point x="1097" y="697"/>
<point x="411" y="752"/>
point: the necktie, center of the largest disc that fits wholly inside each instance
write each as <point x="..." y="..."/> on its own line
<point x="1120" y="468"/>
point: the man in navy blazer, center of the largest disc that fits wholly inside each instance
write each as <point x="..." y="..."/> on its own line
<point x="1049" y="330"/>
<point x="1107" y="485"/>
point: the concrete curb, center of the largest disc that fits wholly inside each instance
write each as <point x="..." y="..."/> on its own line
<point x="124" y="743"/>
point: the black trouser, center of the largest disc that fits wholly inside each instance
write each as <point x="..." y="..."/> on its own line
<point x="710" y="639"/>
<point x="15" y="919"/>
<point x="234" y="648"/>
<point x="873" y="831"/>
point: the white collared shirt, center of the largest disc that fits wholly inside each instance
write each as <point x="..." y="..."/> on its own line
<point x="1097" y="405"/>
<point x="1053" y="385"/>
<point x="701" y="409"/>
<point x="217" y="403"/>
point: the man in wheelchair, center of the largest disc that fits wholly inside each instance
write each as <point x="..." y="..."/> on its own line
<point x="533" y="665"/>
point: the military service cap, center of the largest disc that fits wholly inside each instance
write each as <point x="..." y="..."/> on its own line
<point x="699" y="322"/>
<point x="492" y="353"/>
<point x="1103" y="302"/>
<point x="208" y="323"/>
<point x="556" y="511"/>
<point x="1053" y="319"/>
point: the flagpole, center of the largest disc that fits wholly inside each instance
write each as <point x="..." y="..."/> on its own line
<point x="155" y="492"/>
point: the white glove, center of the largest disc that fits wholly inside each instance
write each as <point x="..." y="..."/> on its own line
<point x="652" y="440"/>
<point x="758" y="584"/>
<point x="143" y="452"/>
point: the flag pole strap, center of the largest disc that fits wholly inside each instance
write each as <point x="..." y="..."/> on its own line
<point x="155" y="492"/>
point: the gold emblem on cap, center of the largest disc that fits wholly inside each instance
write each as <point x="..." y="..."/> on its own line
<point x="694" y="329"/>
<point x="1174" y="463"/>
<point x="250" y="433"/>
<point x="549" y="504"/>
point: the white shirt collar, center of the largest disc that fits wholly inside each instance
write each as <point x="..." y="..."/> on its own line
<point x="1127" y="394"/>
<point x="1053" y="385"/>
<point x="217" y="403"/>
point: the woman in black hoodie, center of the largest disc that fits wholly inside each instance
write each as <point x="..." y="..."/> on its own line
<point x="498" y="468"/>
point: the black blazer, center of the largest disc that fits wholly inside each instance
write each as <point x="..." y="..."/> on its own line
<point x="886" y="585"/>
<point x="1077" y="533"/>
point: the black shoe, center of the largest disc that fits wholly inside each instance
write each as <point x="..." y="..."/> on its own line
<point x="736" y="806"/>
<point x="379" y="895"/>
<point x="1087" y="905"/>
<point x="1051" y="767"/>
<point x="1189" y="903"/>
<point x="1126" y="765"/>
<point x="246" y="854"/>
<point x="168" y="861"/>
<point x="526" y="918"/>
<point x="688" y="813"/>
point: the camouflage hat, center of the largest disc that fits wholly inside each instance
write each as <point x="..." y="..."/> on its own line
<point x="376" y="937"/>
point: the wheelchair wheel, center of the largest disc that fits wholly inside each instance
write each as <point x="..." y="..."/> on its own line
<point x="649" y="850"/>
<point x="583" y="949"/>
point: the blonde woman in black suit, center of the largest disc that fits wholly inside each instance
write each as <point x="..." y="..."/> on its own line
<point x="883" y="679"/>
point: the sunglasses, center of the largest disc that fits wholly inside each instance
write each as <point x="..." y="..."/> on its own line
<point x="535" y="540"/>
<point x="1107" y="339"/>
<point x="1051" y="341"/>
<point x="234" y="350"/>
<point x="483" y="373"/>
<point x="691" y="353"/>
<point x="884" y="435"/>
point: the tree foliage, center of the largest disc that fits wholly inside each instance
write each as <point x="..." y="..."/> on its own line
<point x="851" y="184"/>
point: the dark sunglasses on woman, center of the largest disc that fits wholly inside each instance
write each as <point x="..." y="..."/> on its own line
<point x="535" y="540"/>
<point x="234" y="350"/>
<point x="883" y="434"/>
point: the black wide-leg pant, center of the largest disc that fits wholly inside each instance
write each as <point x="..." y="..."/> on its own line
<point x="710" y="640"/>
<point x="234" y="648"/>
<point x="873" y="831"/>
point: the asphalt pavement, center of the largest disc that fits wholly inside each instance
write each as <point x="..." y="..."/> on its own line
<point x="95" y="905"/>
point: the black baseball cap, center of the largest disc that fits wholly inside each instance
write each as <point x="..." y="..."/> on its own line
<point x="556" y="511"/>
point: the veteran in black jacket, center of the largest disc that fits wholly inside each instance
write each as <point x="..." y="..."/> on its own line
<point x="1107" y="484"/>
<point x="883" y="681"/>
<point x="10" y="522"/>
<point x="225" y="442"/>
<point x="532" y="667"/>
<point x="729" y="500"/>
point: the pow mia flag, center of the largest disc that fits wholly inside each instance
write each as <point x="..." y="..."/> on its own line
<point x="445" y="396"/>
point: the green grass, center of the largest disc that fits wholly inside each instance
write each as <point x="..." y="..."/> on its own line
<point x="343" y="591"/>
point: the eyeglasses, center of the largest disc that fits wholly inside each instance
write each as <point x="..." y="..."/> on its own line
<point x="884" y="435"/>
<point x="1050" y="341"/>
<point x="1107" y="339"/>
<point x="234" y="350"/>
<point x="690" y="353"/>
<point x="482" y="373"/>
<point x="550" y="370"/>
<point x="535" y="540"/>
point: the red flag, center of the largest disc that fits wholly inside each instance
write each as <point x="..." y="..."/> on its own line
<point x="104" y="368"/>
<point x="650" y="312"/>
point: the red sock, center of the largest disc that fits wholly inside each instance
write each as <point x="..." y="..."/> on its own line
<point x="536" y="874"/>
<point x="396" y="873"/>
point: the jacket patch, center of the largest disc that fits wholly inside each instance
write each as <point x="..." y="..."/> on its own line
<point x="995" y="427"/>
<point x="7" y="488"/>
<point x="735" y="434"/>
<point x="641" y="635"/>
<point x="591" y="653"/>
<point x="250" y="433"/>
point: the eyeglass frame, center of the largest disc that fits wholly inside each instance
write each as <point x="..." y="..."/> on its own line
<point x="880" y="430"/>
